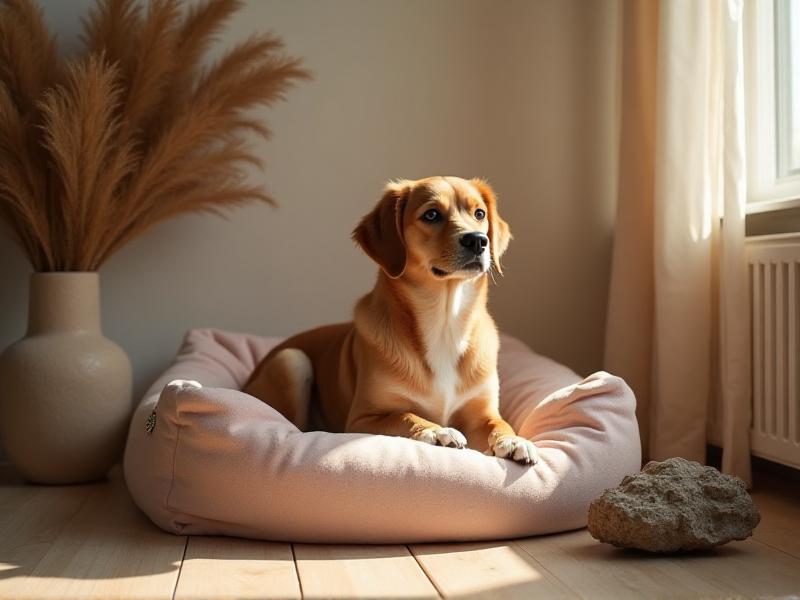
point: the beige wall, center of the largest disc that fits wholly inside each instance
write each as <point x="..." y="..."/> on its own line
<point x="519" y="92"/>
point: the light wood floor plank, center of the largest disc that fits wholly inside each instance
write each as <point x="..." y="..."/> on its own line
<point x="223" y="568"/>
<point x="489" y="570"/>
<point x="780" y="519"/>
<point x="31" y="519"/>
<point x="360" y="572"/>
<point x="13" y="492"/>
<point x="601" y="571"/>
<point x="596" y="570"/>
<point x="108" y="549"/>
<point x="749" y="568"/>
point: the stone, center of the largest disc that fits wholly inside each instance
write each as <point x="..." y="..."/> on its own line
<point x="674" y="505"/>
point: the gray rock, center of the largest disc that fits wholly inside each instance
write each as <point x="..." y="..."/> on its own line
<point x="674" y="505"/>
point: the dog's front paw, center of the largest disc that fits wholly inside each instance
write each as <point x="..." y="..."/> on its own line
<point x="442" y="436"/>
<point x="517" y="449"/>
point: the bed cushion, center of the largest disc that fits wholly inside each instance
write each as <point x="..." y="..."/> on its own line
<point x="214" y="460"/>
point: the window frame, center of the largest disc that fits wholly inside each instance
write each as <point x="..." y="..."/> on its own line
<point x="766" y="154"/>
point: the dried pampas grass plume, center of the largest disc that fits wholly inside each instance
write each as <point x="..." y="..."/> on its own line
<point x="95" y="150"/>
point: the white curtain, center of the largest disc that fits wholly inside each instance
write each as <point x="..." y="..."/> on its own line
<point x="678" y="326"/>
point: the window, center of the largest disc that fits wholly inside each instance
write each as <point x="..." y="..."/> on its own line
<point x="772" y="61"/>
<point x="787" y="82"/>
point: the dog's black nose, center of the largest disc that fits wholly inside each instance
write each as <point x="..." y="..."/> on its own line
<point x="475" y="241"/>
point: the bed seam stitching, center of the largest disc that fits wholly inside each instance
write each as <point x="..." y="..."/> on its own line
<point x="169" y="506"/>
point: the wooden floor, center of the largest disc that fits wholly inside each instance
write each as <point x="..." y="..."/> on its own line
<point x="91" y="542"/>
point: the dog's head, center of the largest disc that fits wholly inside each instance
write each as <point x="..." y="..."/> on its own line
<point x="439" y="227"/>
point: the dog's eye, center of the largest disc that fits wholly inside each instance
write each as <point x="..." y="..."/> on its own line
<point x="431" y="216"/>
<point x="480" y="214"/>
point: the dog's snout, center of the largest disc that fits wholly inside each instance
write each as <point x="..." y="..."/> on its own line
<point x="475" y="241"/>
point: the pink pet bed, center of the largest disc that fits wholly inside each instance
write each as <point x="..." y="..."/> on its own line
<point x="214" y="460"/>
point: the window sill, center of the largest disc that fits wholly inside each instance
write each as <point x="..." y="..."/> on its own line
<point x="772" y="217"/>
<point x="768" y="206"/>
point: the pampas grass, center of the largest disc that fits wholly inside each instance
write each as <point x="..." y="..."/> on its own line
<point x="137" y="129"/>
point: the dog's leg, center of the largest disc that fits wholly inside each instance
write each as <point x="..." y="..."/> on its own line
<point x="407" y="424"/>
<point x="284" y="382"/>
<point x="486" y="430"/>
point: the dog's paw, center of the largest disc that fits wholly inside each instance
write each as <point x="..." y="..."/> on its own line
<point x="517" y="449"/>
<point x="177" y="385"/>
<point x="442" y="436"/>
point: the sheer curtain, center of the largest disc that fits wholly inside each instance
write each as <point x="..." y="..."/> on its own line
<point x="678" y="326"/>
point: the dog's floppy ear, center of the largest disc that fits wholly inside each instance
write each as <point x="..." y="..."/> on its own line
<point x="499" y="232"/>
<point x="380" y="233"/>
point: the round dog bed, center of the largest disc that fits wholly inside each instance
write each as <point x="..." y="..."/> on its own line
<point x="214" y="460"/>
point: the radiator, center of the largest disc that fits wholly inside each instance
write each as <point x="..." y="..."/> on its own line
<point x="774" y="272"/>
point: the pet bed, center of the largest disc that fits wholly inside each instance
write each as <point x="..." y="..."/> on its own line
<point x="214" y="460"/>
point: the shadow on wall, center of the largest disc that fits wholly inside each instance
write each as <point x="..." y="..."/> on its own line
<point x="554" y="167"/>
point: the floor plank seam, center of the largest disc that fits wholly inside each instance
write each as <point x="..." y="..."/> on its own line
<point x="424" y="570"/>
<point x="774" y="547"/>
<point x="297" y="571"/>
<point x="556" y="577"/>
<point x="180" y="567"/>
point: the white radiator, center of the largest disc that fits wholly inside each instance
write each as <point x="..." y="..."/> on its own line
<point x="774" y="268"/>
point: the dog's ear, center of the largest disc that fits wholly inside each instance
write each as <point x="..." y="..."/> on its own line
<point x="380" y="233"/>
<point x="499" y="232"/>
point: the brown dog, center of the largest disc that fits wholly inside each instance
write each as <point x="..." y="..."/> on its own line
<point x="419" y="359"/>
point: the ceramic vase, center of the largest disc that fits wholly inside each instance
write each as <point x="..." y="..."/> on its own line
<point x="65" y="390"/>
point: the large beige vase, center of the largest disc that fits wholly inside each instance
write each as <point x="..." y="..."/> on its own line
<point x="65" y="390"/>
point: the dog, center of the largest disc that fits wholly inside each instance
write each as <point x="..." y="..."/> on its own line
<point x="419" y="359"/>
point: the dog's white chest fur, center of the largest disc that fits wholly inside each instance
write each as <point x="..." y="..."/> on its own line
<point x="444" y="328"/>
